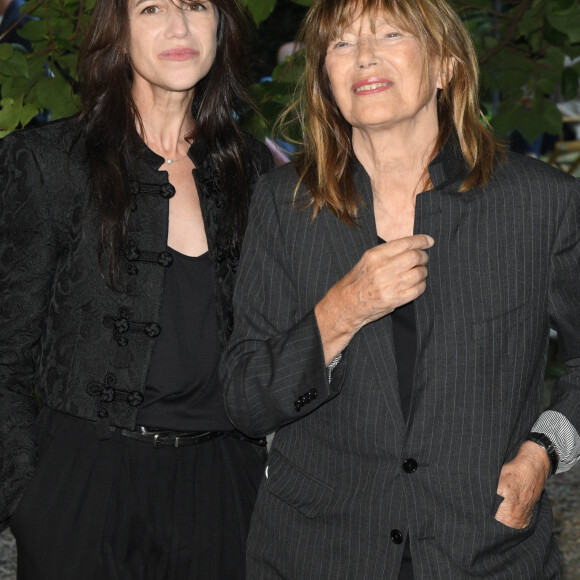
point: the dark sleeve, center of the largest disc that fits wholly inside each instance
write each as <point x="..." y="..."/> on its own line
<point x="263" y="156"/>
<point x="273" y="367"/>
<point x="29" y="244"/>
<point x="564" y="307"/>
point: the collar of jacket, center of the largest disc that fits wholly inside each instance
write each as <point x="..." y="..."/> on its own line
<point x="223" y="248"/>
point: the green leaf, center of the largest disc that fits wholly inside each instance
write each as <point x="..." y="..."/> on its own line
<point x="61" y="27"/>
<point x="6" y="51"/>
<point x="532" y="20"/>
<point x="289" y="71"/>
<point x="260" y="9"/>
<point x="10" y="113"/>
<point x="303" y="2"/>
<point x="569" y="84"/>
<point x="29" y="111"/>
<point x="567" y="21"/>
<point x="562" y="5"/>
<point x="508" y="71"/>
<point x="54" y="94"/>
<point x="546" y="114"/>
<point x="16" y="66"/>
<point x="68" y="62"/>
<point x="555" y="36"/>
<point x="530" y="118"/>
<point x="34" y="30"/>
<point x="546" y="86"/>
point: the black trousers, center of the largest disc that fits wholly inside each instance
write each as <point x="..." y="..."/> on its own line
<point x="121" y="509"/>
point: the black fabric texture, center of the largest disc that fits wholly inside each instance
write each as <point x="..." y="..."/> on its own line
<point x="81" y="346"/>
<point x="183" y="390"/>
<point x="121" y="509"/>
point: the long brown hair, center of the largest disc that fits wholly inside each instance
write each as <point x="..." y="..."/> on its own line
<point x="109" y="115"/>
<point x="326" y="162"/>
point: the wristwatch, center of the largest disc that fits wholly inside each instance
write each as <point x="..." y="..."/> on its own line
<point x="544" y="441"/>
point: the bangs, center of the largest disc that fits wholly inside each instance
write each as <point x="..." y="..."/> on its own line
<point x="332" y="17"/>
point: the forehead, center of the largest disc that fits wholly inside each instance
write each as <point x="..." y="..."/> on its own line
<point x="359" y="15"/>
<point x="183" y="4"/>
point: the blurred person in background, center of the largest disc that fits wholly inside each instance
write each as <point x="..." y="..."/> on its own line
<point x="11" y="20"/>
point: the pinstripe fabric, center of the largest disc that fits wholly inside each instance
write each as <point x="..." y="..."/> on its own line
<point x="505" y="266"/>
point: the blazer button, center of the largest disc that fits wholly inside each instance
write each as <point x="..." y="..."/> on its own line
<point x="410" y="465"/>
<point x="396" y="537"/>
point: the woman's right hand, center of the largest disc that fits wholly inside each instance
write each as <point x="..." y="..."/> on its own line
<point x="386" y="277"/>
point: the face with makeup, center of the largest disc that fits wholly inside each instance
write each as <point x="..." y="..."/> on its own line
<point x="377" y="76"/>
<point x="172" y="44"/>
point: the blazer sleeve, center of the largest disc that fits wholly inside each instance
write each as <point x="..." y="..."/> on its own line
<point x="562" y="420"/>
<point x="29" y="244"/>
<point x="273" y="367"/>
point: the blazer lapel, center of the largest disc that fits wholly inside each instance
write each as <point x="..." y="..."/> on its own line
<point x="349" y="244"/>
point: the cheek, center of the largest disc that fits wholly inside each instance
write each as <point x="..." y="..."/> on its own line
<point x="336" y="81"/>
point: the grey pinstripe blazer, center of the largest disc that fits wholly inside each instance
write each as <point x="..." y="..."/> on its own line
<point x="505" y="266"/>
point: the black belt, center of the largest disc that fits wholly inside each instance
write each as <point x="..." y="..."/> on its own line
<point x="180" y="438"/>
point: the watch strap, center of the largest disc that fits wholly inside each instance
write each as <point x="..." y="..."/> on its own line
<point x="544" y="441"/>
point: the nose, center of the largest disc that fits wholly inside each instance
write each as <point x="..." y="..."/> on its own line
<point x="366" y="54"/>
<point x="177" y="24"/>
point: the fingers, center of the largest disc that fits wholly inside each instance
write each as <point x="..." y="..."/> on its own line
<point x="521" y="482"/>
<point x="513" y="515"/>
<point x="416" y="242"/>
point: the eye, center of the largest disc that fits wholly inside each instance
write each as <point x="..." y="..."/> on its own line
<point x="150" y="9"/>
<point x="337" y="44"/>
<point x="195" y="6"/>
<point x="390" y="34"/>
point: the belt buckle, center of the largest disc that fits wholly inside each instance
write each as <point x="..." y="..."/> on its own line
<point x="156" y="441"/>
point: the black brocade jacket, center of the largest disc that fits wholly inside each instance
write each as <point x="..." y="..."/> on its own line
<point x="82" y="347"/>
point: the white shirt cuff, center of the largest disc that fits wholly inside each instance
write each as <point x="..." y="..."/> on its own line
<point x="563" y="435"/>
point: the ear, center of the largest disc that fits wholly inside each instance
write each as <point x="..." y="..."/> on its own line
<point x="445" y="73"/>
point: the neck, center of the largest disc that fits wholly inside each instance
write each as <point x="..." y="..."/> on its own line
<point x="167" y="120"/>
<point x="396" y="159"/>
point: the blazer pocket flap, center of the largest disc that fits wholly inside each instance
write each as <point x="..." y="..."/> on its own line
<point x="502" y="322"/>
<point x="299" y="490"/>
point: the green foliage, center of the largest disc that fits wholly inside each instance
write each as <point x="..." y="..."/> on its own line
<point x="259" y="9"/>
<point x="42" y="79"/>
<point x="273" y="97"/>
<point x="521" y="51"/>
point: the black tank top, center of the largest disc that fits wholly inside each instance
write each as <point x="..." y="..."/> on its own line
<point x="405" y="338"/>
<point x="183" y="391"/>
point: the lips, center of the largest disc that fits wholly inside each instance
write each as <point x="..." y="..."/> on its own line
<point x="178" y="54"/>
<point x="371" y="85"/>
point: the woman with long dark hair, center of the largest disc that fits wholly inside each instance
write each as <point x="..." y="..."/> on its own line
<point x="120" y="236"/>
